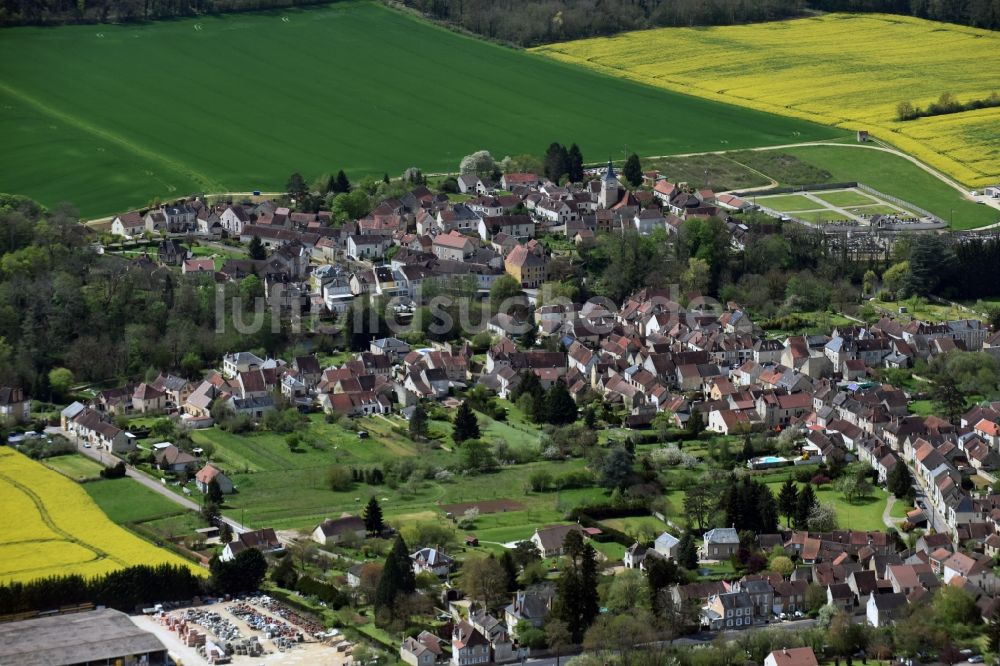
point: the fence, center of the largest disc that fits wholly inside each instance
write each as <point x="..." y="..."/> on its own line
<point x="899" y="202"/>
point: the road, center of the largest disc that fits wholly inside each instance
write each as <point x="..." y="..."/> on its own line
<point x="131" y="472"/>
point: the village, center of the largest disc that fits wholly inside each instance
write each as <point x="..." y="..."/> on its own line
<point x="668" y="384"/>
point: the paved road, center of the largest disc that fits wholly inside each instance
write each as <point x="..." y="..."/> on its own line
<point x="105" y="458"/>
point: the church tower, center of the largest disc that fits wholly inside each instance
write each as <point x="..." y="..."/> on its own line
<point x="610" y="188"/>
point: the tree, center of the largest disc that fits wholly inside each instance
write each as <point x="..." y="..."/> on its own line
<point x="483" y="578"/>
<point x="993" y="630"/>
<point x="576" y="592"/>
<point x="696" y="423"/>
<point x="556" y="163"/>
<point x="557" y="636"/>
<point x="788" y="500"/>
<point x="418" y="422"/>
<point x="617" y="468"/>
<point x="687" y="551"/>
<point x="559" y="406"/>
<point x="373" y="517"/>
<point x="697" y="277"/>
<point x="954" y="607"/>
<point x="632" y="171"/>
<point x="477" y="456"/>
<point x="244" y="573"/>
<point x="804" y="506"/>
<point x="574" y="164"/>
<point x="479" y="163"/>
<point x="540" y="480"/>
<point x="60" y="382"/>
<point x="465" y="425"/>
<point x="296" y="186"/>
<point x="340" y="184"/>
<point x="782" y="565"/>
<point x="949" y="397"/>
<point x="256" y="249"/>
<point x="854" y="487"/>
<point x="629" y="589"/>
<point x="822" y="518"/>
<point x="397" y="577"/>
<point x="214" y="493"/>
<point x="895" y="278"/>
<point x="509" y="569"/>
<point x="900" y="481"/>
<point x="699" y="504"/>
<point x="339" y="478"/>
<point x="350" y="205"/>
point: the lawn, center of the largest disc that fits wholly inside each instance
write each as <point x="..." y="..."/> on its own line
<point x="787" y="203"/>
<point x="75" y="466"/>
<point x="814" y="68"/>
<point x="128" y="501"/>
<point x="865" y="514"/>
<point x="716" y="171"/>
<point x="98" y="115"/>
<point x="845" y="198"/>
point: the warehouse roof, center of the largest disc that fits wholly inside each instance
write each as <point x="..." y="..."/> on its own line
<point x="93" y="636"/>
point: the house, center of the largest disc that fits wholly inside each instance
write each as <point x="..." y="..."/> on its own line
<point x="884" y="609"/>
<point x="172" y="459"/>
<point x="128" y="224"/>
<point x="346" y="528"/>
<point x="511" y="180"/>
<point x="368" y="246"/>
<point x="803" y="656"/>
<point x="234" y="364"/>
<point x="15" y="406"/>
<point x="549" y="540"/>
<point x="634" y="556"/>
<point x="210" y="472"/>
<point x="265" y="540"/>
<point x="147" y="399"/>
<point x="431" y="560"/>
<point x="453" y="246"/>
<point x="667" y="545"/>
<point x="532" y="606"/>
<point x="422" y="650"/>
<point x="721" y="543"/>
<point x="468" y="646"/>
<point x="526" y="267"/>
<point x="728" y="610"/>
<point x="515" y="226"/>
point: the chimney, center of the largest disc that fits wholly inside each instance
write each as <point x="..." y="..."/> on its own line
<point x="784" y="651"/>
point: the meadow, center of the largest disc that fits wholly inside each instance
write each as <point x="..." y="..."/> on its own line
<point x="110" y="116"/>
<point x="60" y="529"/>
<point x="844" y="70"/>
<point x="286" y="489"/>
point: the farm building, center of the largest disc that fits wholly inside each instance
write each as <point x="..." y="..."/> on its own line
<point x="103" y="636"/>
<point x="209" y="472"/>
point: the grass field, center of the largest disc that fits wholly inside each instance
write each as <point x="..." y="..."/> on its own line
<point x="285" y="489"/>
<point x="75" y="466"/>
<point x="109" y="116"/>
<point x="59" y="529"/>
<point x="844" y="70"/>
<point x="886" y="172"/>
<point x="786" y="203"/>
<point x="128" y="501"/>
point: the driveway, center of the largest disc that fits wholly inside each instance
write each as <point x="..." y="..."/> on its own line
<point x="107" y="459"/>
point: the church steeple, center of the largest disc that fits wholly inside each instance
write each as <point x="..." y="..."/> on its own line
<point x="610" y="173"/>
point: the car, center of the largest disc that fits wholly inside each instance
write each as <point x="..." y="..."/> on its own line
<point x="798" y="615"/>
<point x="975" y="659"/>
<point x="86" y="445"/>
<point x="362" y="434"/>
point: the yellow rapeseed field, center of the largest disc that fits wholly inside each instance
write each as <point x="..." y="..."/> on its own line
<point x="847" y="70"/>
<point x="51" y="526"/>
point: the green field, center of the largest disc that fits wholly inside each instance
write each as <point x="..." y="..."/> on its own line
<point x="127" y="501"/>
<point x="76" y="466"/>
<point x="787" y="203"/>
<point x="285" y="489"/>
<point x="109" y="116"/>
<point x="844" y="198"/>
<point x="886" y="172"/>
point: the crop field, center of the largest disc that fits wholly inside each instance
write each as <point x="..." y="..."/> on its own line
<point x="843" y="70"/>
<point x="110" y="116"/>
<point x="59" y="529"/>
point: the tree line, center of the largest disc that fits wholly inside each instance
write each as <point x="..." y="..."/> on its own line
<point x="946" y="103"/>
<point x="518" y="22"/>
